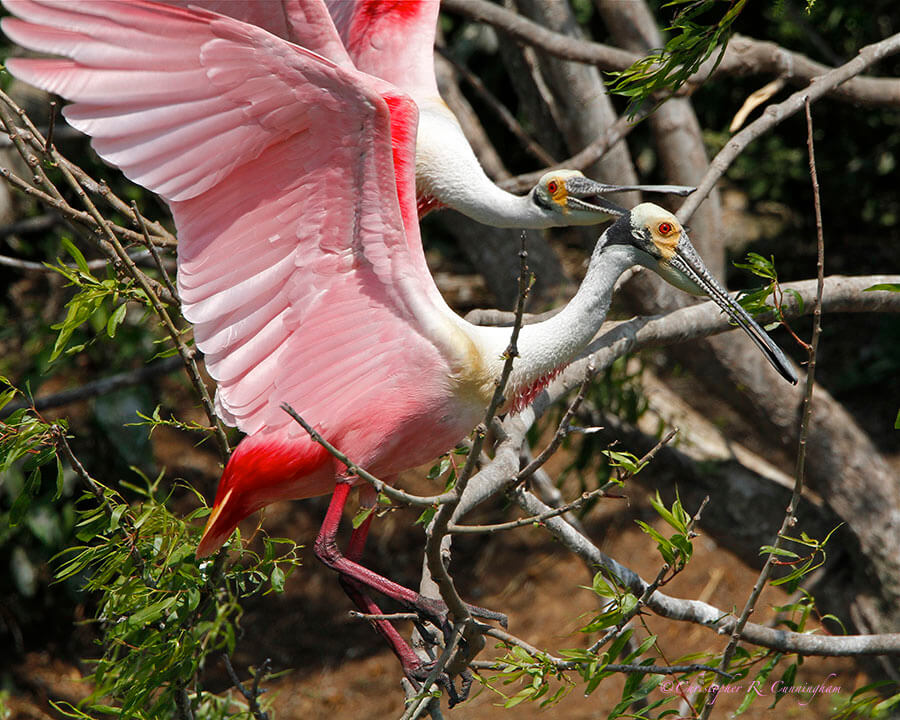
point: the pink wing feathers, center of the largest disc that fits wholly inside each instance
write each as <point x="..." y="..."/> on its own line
<point x="294" y="264"/>
<point x="391" y="39"/>
<point x="303" y="22"/>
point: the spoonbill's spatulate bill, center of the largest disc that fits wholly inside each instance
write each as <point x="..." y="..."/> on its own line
<point x="290" y="179"/>
<point x="394" y="42"/>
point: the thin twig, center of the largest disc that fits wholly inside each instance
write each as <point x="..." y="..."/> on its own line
<point x="154" y="252"/>
<point x="743" y="55"/>
<point x="562" y="429"/>
<point x="506" y="117"/>
<point x="32" y="136"/>
<point x="29" y="266"/>
<point x="586" y="497"/>
<point x="251" y="695"/>
<point x="115" y="251"/>
<point x="357" y="615"/>
<point x="799" y="476"/>
<point x="658" y="581"/>
<point x="187" y="355"/>
<point x="96" y="489"/>
<point x="48" y="143"/>
<point x="84" y="220"/>
<point x="565" y="665"/>
<point x="101" y="386"/>
<point x="585" y="157"/>
<point x="354" y="469"/>
<point x="774" y="114"/>
<point x="441" y="521"/>
<point x="417" y="707"/>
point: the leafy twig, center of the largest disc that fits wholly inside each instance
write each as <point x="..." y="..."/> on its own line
<point x="790" y="513"/>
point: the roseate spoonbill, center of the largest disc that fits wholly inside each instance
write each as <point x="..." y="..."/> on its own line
<point x="300" y="262"/>
<point x="394" y="41"/>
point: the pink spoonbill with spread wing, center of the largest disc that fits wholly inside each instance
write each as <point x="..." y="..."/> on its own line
<point x="290" y="179"/>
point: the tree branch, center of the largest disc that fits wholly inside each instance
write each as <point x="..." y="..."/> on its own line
<point x="774" y="114"/>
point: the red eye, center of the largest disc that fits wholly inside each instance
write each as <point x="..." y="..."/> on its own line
<point x="665" y="228"/>
<point x="553" y="186"/>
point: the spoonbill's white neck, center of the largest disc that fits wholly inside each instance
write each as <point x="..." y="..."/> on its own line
<point x="547" y="347"/>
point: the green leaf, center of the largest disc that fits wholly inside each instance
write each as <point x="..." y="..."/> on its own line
<point x="149" y="614"/>
<point x="798" y="298"/>
<point x="277" y="579"/>
<point x="76" y="255"/>
<point x="115" y="319"/>
<point x="60" y="478"/>
<point x="618" y="645"/>
<point x="23" y="502"/>
<point x="426" y="516"/>
<point x="362" y="516"/>
<point x="6" y="397"/>
<point x="887" y="287"/>
<point x="882" y="708"/>
<point x="602" y="587"/>
<point x="628" y="603"/>
<point x="772" y="550"/>
<point x="759" y="266"/>
<point x="626" y="460"/>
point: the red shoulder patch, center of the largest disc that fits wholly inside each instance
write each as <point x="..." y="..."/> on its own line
<point x="404" y="123"/>
<point x="396" y="10"/>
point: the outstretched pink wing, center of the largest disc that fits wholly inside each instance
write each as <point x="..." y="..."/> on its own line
<point x="391" y="39"/>
<point x="294" y="264"/>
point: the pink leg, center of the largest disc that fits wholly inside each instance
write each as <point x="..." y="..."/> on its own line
<point x="327" y="551"/>
<point x="355" y="579"/>
<point x="412" y="664"/>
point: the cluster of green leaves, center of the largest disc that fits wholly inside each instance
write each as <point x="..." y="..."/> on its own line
<point x="35" y="513"/>
<point x="162" y="612"/>
<point x="447" y="467"/>
<point x="594" y="668"/>
<point x="695" y="38"/>
<point x="155" y="420"/>
<point x="547" y="681"/>
<point x="676" y="549"/>
<point x="800" y="565"/>
<point x="616" y="391"/>
<point x="755" y="301"/>
<point x="537" y="674"/>
<point x="869" y="702"/>
<point x="29" y="442"/>
<point x="103" y="303"/>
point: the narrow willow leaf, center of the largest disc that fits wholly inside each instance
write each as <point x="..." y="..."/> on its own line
<point x="76" y="255"/>
<point x="60" y="478"/>
<point x="115" y="319"/>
